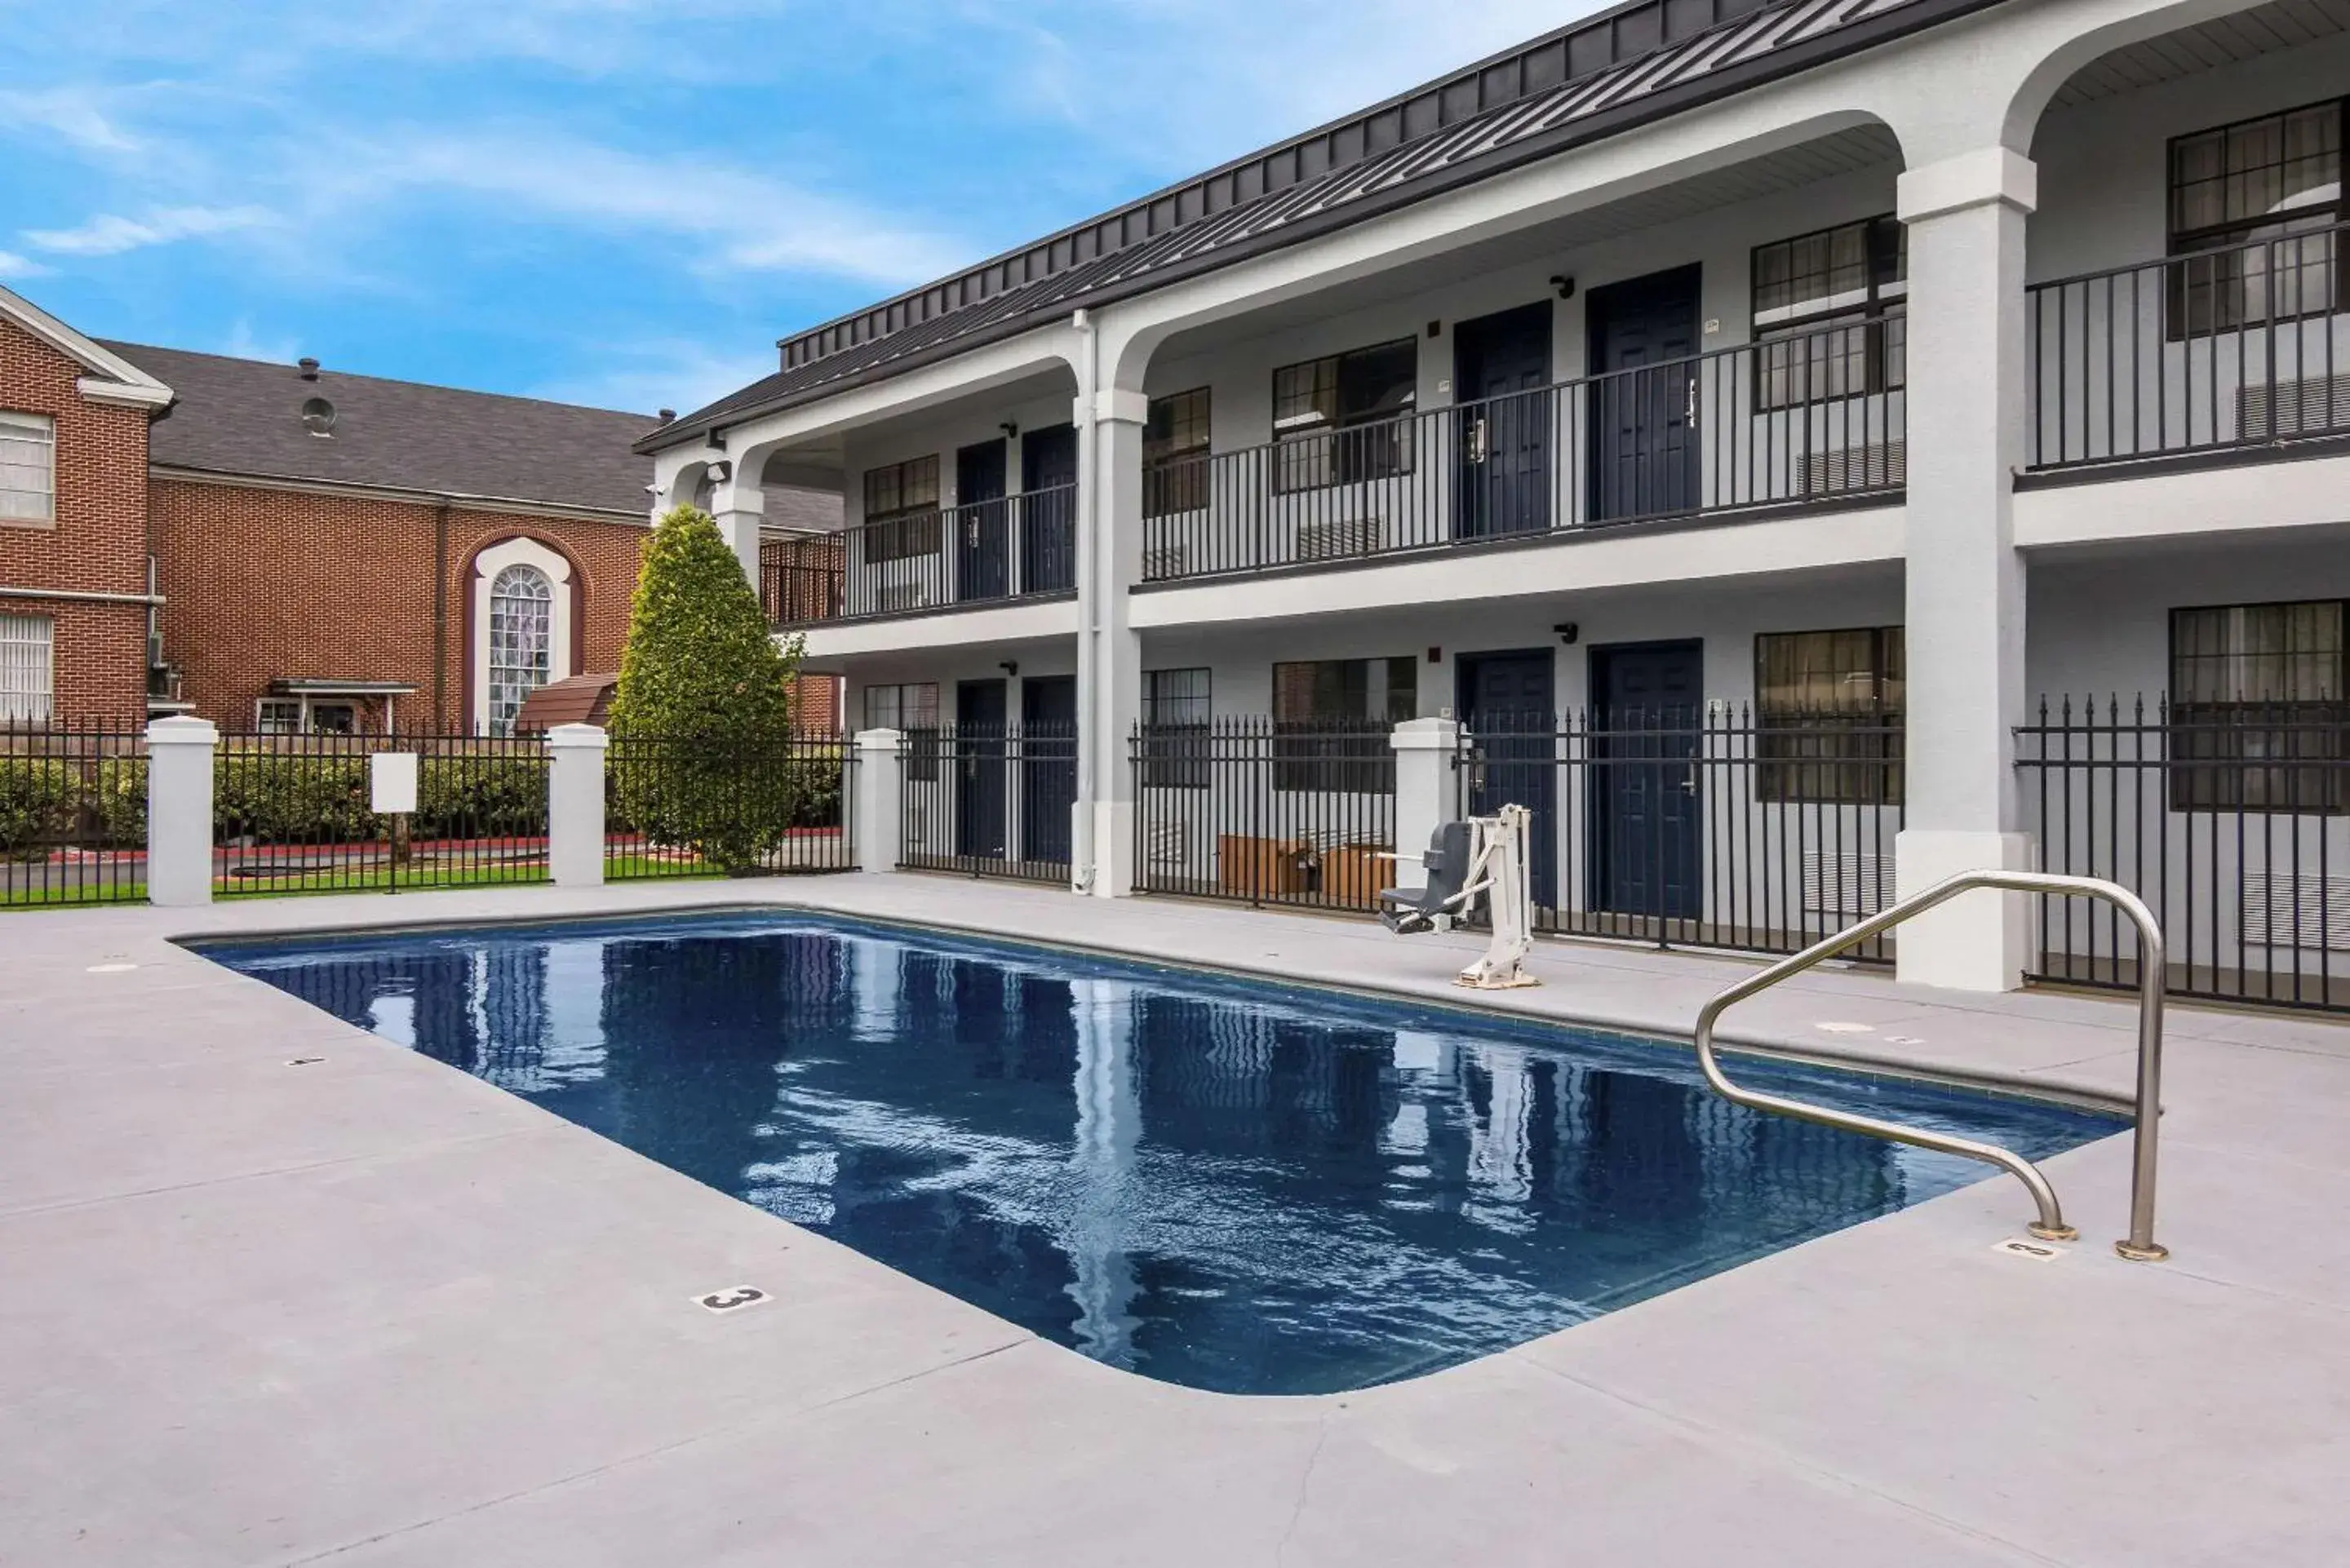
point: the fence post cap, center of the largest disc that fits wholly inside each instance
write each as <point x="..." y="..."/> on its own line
<point x="591" y="737"/>
<point x="879" y="740"/>
<point x="182" y="730"/>
<point x="1426" y="735"/>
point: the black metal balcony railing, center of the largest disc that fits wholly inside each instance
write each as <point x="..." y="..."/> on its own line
<point x="800" y="585"/>
<point x="1021" y="546"/>
<point x="2243" y="345"/>
<point x="1807" y="418"/>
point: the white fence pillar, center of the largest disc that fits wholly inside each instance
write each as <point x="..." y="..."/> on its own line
<point x="1426" y="793"/>
<point x="877" y="792"/>
<point x="575" y="804"/>
<point x="180" y="811"/>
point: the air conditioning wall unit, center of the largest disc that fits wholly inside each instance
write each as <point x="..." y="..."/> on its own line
<point x="1846" y="885"/>
<point x="1881" y="465"/>
<point x="2310" y="406"/>
<point x="1338" y="538"/>
<point x="2287" y="910"/>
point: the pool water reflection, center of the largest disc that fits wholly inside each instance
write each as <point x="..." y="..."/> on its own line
<point x="1211" y="1182"/>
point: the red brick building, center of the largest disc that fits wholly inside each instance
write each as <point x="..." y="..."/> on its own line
<point x="285" y="547"/>
<point x="75" y="597"/>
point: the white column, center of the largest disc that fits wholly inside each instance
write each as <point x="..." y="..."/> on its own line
<point x="1109" y="695"/>
<point x="575" y="804"/>
<point x="1967" y="390"/>
<point x="876" y="792"/>
<point x="741" y="514"/>
<point x="1425" y="795"/>
<point x="180" y="811"/>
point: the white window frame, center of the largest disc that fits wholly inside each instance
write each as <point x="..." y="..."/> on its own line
<point x="28" y="667"/>
<point x="557" y="569"/>
<point x="28" y="441"/>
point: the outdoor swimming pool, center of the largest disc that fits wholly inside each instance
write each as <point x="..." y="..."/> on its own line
<point x="1208" y="1181"/>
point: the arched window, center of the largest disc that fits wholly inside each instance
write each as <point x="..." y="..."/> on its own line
<point x="522" y="642"/>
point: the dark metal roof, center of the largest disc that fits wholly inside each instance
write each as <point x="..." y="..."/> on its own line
<point x="1625" y="67"/>
<point x="243" y="417"/>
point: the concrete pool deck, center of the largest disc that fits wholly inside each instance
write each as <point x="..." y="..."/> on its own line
<point x="368" y="1309"/>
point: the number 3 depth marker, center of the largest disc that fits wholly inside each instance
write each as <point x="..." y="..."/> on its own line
<point x="730" y="1300"/>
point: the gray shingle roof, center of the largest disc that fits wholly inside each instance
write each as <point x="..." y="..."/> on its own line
<point x="244" y="416"/>
<point x="1628" y="66"/>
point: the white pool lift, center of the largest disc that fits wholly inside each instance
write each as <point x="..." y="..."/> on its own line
<point x="1476" y="872"/>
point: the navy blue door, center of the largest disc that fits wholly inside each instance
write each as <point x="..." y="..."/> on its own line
<point x="1501" y="373"/>
<point x="978" y="771"/>
<point x="1049" y="765"/>
<point x="983" y="522"/>
<point x="1647" y="819"/>
<point x="1643" y="412"/>
<point x="1048" y="529"/>
<point x="1506" y="704"/>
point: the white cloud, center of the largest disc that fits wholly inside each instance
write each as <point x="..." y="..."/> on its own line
<point x="242" y="344"/>
<point x="725" y="219"/>
<point x="110" y="233"/>
<point x="70" y="113"/>
<point x="14" y="265"/>
<point x="658" y="373"/>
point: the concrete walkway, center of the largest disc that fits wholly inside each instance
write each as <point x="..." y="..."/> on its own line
<point x="368" y="1309"/>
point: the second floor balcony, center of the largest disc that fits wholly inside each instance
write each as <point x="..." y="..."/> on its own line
<point x="994" y="551"/>
<point x="1803" y="420"/>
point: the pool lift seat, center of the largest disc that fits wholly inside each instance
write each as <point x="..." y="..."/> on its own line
<point x="1474" y="869"/>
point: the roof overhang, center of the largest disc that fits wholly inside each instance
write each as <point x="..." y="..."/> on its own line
<point x="307" y="687"/>
<point x="112" y="380"/>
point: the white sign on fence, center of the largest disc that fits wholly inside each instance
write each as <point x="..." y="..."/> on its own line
<point x="392" y="783"/>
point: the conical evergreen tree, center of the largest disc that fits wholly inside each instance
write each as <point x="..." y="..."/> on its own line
<point x="703" y="712"/>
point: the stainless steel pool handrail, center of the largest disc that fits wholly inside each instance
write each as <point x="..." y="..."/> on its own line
<point x="2140" y="1246"/>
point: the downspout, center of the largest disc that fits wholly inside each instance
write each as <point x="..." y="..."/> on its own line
<point x="439" y="620"/>
<point x="1081" y="858"/>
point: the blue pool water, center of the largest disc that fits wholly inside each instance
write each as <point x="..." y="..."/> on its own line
<point x="1208" y="1181"/>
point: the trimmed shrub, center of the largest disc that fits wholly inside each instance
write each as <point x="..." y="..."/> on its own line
<point x="39" y="800"/>
<point x="705" y="685"/>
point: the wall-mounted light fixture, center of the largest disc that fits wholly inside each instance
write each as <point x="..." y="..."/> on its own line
<point x="720" y="471"/>
<point x="1010" y="431"/>
<point x="1569" y="633"/>
<point x="1565" y="285"/>
<point x="1009" y="668"/>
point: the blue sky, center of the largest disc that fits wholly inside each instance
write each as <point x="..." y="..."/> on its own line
<point x="615" y="201"/>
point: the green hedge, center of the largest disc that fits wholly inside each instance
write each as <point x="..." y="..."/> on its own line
<point x="291" y="798"/>
<point x="57" y="800"/>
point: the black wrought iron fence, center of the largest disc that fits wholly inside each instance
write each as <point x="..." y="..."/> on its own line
<point x="2231" y="819"/>
<point x="988" y="800"/>
<point x="687" y="806"/>
<point x="73" y="816"/>
<point x="295" y="813"/>
<point x="1710" y="827"/>
<point x="1807" y="418"/>
<point x="2239" y="346"/>
<point x="1264" y="812"/>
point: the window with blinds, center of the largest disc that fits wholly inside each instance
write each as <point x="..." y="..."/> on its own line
<point x="2258" y="714"/>
<point x="28" y="467"/>
<point x="26" y="661"/>
<point x="901" y="510"/>
<point x="1331" y="719"/>
<point x="1828" y="711"/>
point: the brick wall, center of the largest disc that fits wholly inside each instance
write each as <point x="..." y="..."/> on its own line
<point x="264" y="584"/>
<point x="98" y="542"/>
